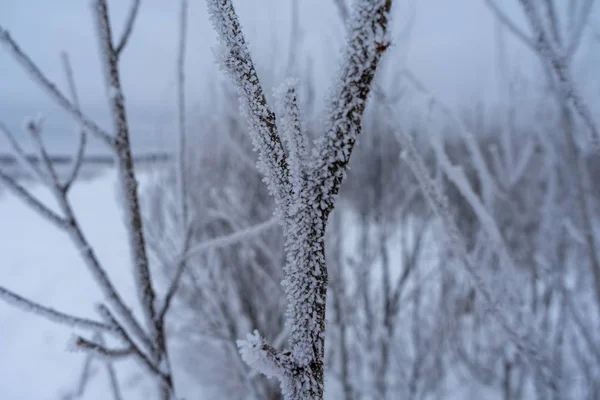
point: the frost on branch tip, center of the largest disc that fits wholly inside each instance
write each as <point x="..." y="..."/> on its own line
<point x="262" y="357"/>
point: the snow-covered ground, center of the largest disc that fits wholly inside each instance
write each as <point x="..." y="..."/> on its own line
<point x="38" y="261"/>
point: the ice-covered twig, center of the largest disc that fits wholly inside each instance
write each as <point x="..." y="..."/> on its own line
<point x="290" y="126"/>
<point x="114" y="382"/>
<point x="131" y="17"/>
<point x="78" y="160"/>
<point x="127" y="178"/>
<point x="561" y="61"/>
<point x="38" y="76"/>
<point x="34" y="128"/>
<point x="110" y="319"/>
<point x="51" y="314"/>
<point x="235" y="58"/>
<point x="367" y="41"/>
<point x="100" y="350"/>
<point x="181" y="120"/>
<point x="210" y="244"/>
<point x="26" y="163"/>
<point x="174" y="285"/>
<point x="226" y="240"/>
<point x="505" y="19"/>
<point x="558" y="58"/>
<point x="265" y="358"/>
<point x="36" y="205"/>
<point x="312" y="196"/>
<point x="579" y="27"/>
<point x="438" y="202"/>
<point x="84" y="378"/>
<point x="70" y="225"/>
<point x="485" y="176"/>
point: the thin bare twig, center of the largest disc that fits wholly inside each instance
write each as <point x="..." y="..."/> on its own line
<point x="110" y="319"/>
<point x="127" y="177"/>
<point x="505" y="19"/>
<point x="31" y="201"/>
<point x="131" y="17"/>
<point x="49" y="313"/>
<point x="101" y="351"/>
<point x="38" y="76"/>
<point x="182" y="137"/>
<point x="78" y="162"/>
<point x="26" y="163"/>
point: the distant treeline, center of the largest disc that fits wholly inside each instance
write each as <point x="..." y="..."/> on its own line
<point x="9" y="160"/>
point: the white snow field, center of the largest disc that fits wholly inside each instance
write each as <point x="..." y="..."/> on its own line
<point x="38" y="261"/>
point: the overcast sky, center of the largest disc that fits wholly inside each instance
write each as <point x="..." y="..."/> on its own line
<point x="452" y="49"/>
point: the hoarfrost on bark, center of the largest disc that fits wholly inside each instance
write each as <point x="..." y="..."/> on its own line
<point x="304" y="187"/>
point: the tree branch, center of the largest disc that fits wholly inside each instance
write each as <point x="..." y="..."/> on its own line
<point x="182" y="140"/>
<point x="101" y="351"/>
<point x="26" y="163"/>
<point x="290" y="126"/>
<point x="38" y="76"/>
<point x="31" y="201"/>
<point x="131" y="17"/>
<point x="127" y="178"/>
<point x="109" y="319"/>
<point x="264" y="358"/>
<point x="237" y="61"/>
<point x="78" y="162"/>
<point x="49" y="313"/>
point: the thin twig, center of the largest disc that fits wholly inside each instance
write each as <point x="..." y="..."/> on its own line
<point x="26" y="163"/>
<point x="110" y="319"/>
<point x="126" y="171"/>
<point x="131" y="17"/>
<point x="51" y="314"/>
<point x="38" y="76"/>
<point x="101" y="351"/>
<point x="78" y="162"/>
<point x="31" y="201"/>
<point x="182" y="139"/>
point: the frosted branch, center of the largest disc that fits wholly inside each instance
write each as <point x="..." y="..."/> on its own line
<point x="182" y="139"/>
<point x="49" y="313"/>
<point x="34" y="128"/>
<point x="367" y="41"/>
<point x="227" y="240"/>
<point x="36" y="205"/>
<point x="579" y="28"/>
<point x="26" y="163"/>
<point x="560" y="64"/>
<point x="512" y="27"/>
<point x="38" y="76"/>
<point x="438" y="203"/>
<point x="264" y="358"/>
<point x="78" y="160"/>
<point x="101" y="351"/>
<point x="110" y="319"/>
<point x="294" y="137"/>
<point x="485" y="176"/>
<point x="211" y="244"/>
<point x="235" y="58"/>
<point x="131" y="17"/>
<point x="127" y="178"/>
